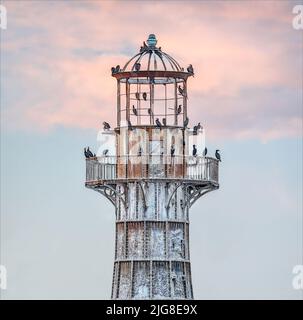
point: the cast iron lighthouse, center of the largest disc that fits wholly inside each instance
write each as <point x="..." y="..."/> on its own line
<point x="152" y="168"/>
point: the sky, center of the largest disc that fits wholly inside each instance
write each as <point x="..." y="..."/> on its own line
<point x="57" y="237"/>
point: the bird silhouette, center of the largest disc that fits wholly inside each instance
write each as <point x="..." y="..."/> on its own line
<point x="194" y="150"/>
<point x="105" y="152"/>
<point x="106" y="125"/>
<point x="113" y="70"/>
<point x="135" y="112"/>
<point x="196" y="128"/>
<point x="186" y="121"/>
<point x="130" y="127"/>
<point x="117" y="69"/>
<point x="204" y="152"/>
<point x="140" y="151"/>
<point x="179" y="110"/>
<point x="158" y="123"/>
<point x="172" y="150"/>
<point x="137" y="95"/>
<point x="164" y="122"/>
<point x="86" y="154"/>
<point x="190" y="69"/>
<point x="137" y="66"/>
<point x="217" y="154"/>
<point x="89" y="153"/>
<point x="144" y="95"/>
<point x="149" y="110"/>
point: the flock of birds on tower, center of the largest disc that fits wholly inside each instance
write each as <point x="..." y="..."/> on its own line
<point x="182" y="92"/>
<point x="106" y="126"/>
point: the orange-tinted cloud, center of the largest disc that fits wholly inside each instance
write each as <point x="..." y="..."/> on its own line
<point x="247" y="58"/>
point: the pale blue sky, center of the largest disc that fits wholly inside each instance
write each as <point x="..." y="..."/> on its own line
<point x="57" y="237"/>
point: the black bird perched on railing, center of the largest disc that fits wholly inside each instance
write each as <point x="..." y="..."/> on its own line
<point x="144" y="95"/>
<point x="86" y="154"/>
<point x="158" y="123"/>
<point x="106" y="125"/>
<point x="115" y="69"/>
<point x="172" y="150"/>
<point x="190" y="69"/>
<point x="89" y="153"/>
<point x="196" y="128"/>
<point x="186" y="121"/>
<point x="137" y="95"/>
<point x="204" y="152"/>
<point x="194" y="150"/>
<point x="164" y="122"/>
<point x="105" y="152"/>
<point x="217" y="154"/>
<point x="179" y="110"/>
<point x="130" y="127"/>
<point x="137" y="66"/>
<point x="135" y="112"/>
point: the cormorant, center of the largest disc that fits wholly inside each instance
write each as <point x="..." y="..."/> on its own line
<point x="144" y="95"/>
<point x="129" y="125"/>
<point x="204" y="152"/>
<point x="172" y="150"/>
<point x="106" y="125"/>
<point x="137" y="66"/>
<point x="89" y="153"/>
<point x="194" y="150"/>
<point x="186" y="121"/>
<point x="158" y="123"/>
<point x="86" y="154"/>
<point x="217" y="154"/>
<point x="105" y="152"/>
<point x="135" y="111"/>
<point x="190" y="69"/>
<point x="179" y="110"/>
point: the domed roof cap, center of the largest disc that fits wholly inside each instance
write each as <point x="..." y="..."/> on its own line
<point x="151" y="58"/>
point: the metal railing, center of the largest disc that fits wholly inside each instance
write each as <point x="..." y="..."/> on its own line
<point x="152" y="167"/>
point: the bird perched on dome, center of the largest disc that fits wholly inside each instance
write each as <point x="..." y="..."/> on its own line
<point x="137" y="66"/>
<point x="190" y="69"/>
<point x="196" y="128"/>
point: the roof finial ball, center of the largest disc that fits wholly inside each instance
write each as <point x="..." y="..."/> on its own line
<point x="151" y="41"/>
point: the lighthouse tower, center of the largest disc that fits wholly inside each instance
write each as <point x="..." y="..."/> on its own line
<point x="151" y="168"/>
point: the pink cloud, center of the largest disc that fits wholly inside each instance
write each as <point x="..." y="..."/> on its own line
<point x="61" y="55"/>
